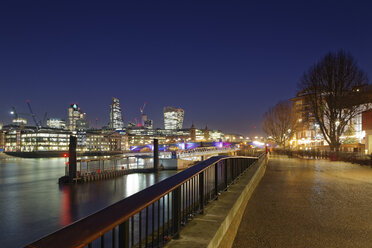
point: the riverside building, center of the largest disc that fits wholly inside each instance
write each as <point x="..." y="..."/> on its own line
<point x="173" y="118"/>
<point x="56" y="123"/>
<point x="75" y="116"/>
<point x="116" y="117"/>
<point x="31" y="139"/>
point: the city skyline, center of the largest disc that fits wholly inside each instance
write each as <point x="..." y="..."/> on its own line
<point x="83" y="115"/>
<point x="224" y="63"/>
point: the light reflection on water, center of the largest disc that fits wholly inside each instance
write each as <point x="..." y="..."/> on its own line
<point x="32" y="204"/>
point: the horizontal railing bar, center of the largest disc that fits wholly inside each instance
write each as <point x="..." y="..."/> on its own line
<point x="84" y="231"/>
<point x="128" y="155"/>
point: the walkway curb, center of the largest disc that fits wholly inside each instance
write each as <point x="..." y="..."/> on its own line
<point x="220" y="222"/>
<point x="226" y="234"/>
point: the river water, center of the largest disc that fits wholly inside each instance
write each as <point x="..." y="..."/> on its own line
<point x="32" y="204"/>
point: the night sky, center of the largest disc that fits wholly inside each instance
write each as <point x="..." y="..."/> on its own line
<point x="224" y="62"/>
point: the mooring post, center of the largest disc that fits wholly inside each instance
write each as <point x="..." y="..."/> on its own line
<point x="72" y="158"/>
<point x="156" y="154"/>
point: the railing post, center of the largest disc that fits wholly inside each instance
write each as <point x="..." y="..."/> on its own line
<point x="201" y="192"/>
<point x="124" y="235"/>
<point x="156" y="155"/>
<point x="232" y="164"/>
<point x="238" y="167"/>
<point x="226" y="162"/>
<point x="176" y="207"/>
<point x="216" y="179"/>
<point x="72" y="158"/>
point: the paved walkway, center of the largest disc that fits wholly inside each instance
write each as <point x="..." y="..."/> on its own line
<point x="309" y="203"/>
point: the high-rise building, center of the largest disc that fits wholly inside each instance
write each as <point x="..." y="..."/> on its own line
<point x="56" y="123"/>
<point x="173" y="118"/>
<point x="74" y="114"/>
<point x="148" y="124"/>
<point x="19" y="121"/>
<point x="2" y="136"/>
<point x="116" y="118"/>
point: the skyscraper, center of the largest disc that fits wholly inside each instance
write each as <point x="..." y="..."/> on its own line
<point x="116" y="118"/>
<point x="173" y="118"/>
<point x="74" y="114"/>
<point x="56" y="123"/>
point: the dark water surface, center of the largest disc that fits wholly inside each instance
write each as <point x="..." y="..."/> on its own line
<point x="32" y="204"/>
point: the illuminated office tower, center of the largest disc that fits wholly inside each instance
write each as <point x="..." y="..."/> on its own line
<point x="56" y="123"/>
<point x="74" y="115"/>
<point x="173" y="118"/>
<point x="116" y="118"/>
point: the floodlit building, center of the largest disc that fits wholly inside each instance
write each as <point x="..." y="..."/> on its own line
<point x="173" y="118"/>
<point x="20" y="121"/>
<point x="98" y="141"/>
<point x="36" y="140"/>
<point x="148" y="124"/>
<point x="31" y="139"/>
<point x="56" y="123"/>
<point x="74" y="114"/>
<point x="216" y="135"/>
<point x="308" y="134"/>
<point x="116" y="117"/>
<point x="2" y="140"/>
<point x="1" y="125"/>
<point x="367" y="129"/>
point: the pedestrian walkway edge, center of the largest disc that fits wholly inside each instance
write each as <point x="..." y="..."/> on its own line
<point x="219" y="224"/>
<point x="226" y="234"/>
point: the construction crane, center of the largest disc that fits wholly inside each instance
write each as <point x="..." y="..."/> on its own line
<point x="45" y="119"/>
<point x="143" y="108"/>
<point x="16" y="115"/>
<point x="36" y="120"/>
<point x="14" y="112"/>
<point x="142" y="115"/>
<point x="136" y="121"/>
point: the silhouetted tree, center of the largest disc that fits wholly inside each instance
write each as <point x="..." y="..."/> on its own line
<point x="329" y="86"/>
<point x="279" y="122"/>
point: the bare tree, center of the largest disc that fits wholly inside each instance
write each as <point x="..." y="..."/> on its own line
<point x="279" y="123"/>
<point x="329" y="86"/>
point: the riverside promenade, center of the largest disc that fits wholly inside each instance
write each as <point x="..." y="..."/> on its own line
<point x="309" y="203"/>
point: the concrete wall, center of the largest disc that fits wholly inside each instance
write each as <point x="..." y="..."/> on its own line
<point x="175" y="164"/>
<point x="226" y="233"/>
<point x="218" y="226"/>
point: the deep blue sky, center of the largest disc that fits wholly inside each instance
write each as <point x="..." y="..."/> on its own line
<point x="224" y="62"/>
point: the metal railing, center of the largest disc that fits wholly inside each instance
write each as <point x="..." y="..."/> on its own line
<point x="201" y="151"/>
<point x="156" y="214"/>
<point x="94" y="165"/>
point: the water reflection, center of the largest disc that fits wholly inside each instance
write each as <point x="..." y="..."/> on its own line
<point x="33" y="204"/>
